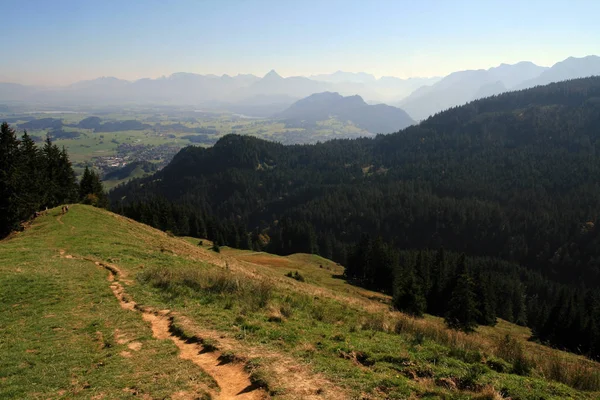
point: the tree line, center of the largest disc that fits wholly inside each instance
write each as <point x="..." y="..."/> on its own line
<point x="33" y="179"/>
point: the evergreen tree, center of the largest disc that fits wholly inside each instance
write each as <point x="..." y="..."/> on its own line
<point x="9" y="158"/>
<point x="408" y="293"/>
<point x="52" y="166"/>
<point x="435" y="297"/>
<point x="29" y="178"/>
<point x="485" y="300"/>
<point x="66" y="179"/>
<point x="91" y="190"/>
<point x="462" y="311"/>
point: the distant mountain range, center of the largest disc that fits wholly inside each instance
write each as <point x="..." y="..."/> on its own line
<point x="271" y="94"/>
<point x="379" y="118"/>
<point x="464" y="86"/>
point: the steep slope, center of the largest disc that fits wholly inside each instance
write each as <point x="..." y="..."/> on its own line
<point x="571" y="68"/>
<point x="96" y="305"/>
<point x="483" y="156"/>
<point x="461" y="87"/>
<point x="136" y="169"/>
<point x="379" y="118"/>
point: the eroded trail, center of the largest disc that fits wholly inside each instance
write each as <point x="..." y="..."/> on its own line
<point x="232" y="379"/>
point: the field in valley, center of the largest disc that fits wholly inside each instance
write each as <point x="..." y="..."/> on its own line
<point x="162" y="133"/>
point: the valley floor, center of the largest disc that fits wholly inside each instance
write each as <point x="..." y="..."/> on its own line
<point x="96" y="306"/>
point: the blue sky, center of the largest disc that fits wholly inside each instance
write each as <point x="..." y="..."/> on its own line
<point x="62" y="41"/>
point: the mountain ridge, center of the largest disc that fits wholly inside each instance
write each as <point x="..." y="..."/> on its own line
<point x="419" y="97"/>
<point x="378" y="118"/>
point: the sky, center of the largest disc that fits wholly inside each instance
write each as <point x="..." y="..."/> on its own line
<point x="59" y="42"/>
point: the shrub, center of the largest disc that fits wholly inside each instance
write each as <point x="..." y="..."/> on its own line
<point x="295" y="275"/>
<point x="497" y="364"/>
<point x="511" y="350"/>
<point x="471" y="378"/>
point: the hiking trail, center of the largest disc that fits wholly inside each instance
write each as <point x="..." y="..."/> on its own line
<point x="233" y="381"/>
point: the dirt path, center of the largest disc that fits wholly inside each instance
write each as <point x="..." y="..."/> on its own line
<point x="233" y="381"/>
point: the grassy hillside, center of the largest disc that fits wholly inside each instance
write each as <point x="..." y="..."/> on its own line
<point x="94" y="305"/>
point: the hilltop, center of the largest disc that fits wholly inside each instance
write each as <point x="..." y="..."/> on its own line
<point x="97" y="305"/>
<point x="378" y="118"/>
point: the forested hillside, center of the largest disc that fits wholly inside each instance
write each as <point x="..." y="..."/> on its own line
<point x="35" y="178"/>
<point x="511" y="181"/>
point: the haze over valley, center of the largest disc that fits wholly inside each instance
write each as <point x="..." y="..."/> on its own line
<point x="321" y="200"/>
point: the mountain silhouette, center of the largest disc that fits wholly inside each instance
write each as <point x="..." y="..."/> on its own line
<point x="379" y="118"/>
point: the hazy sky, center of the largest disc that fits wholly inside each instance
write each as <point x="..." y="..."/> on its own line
<point x="62" y="41"/>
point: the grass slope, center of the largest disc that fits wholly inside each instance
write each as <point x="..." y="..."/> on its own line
<point x="63" y="334"/>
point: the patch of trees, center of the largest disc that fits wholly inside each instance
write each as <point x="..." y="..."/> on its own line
<point x="117" y="126"/>
<point x="183" y="219"/>
<point x="511" y="181"/>
<point x="33" y="178"/>
<point x="91" y="190"/>
<point x="42" y="123"/>
<point x="61" y="134"/>
<point x="89" y="123"/>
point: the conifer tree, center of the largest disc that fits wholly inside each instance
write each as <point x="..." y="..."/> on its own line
<point x="91" y="190"/>
<point x="66" y="180"/>
<point x="435" y="297"/>
<point x="485" y="300"/>
<point x="29" y="178"/>
<point x="9" y="157"/>
<point x="462" y="311"/>
<point x="408" y="293"/>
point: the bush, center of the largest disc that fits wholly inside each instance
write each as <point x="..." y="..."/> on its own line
<point x="216" y="248"/>
<point x="497" y="364"/>
<point x="471" y="378"/>
<point x="522" y="366"/>
<point x="295" y="275"/>
<point x="511" y="350"/>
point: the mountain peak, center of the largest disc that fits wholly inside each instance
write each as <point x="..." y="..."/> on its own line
<point x="272" y="75"/>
